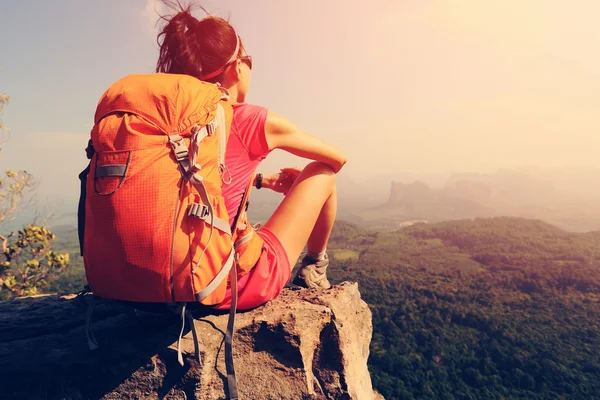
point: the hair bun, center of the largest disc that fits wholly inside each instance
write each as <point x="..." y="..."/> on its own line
<point x="197" y="47"/>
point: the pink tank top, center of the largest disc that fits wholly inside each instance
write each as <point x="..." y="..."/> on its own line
<point x="246" y="148"/>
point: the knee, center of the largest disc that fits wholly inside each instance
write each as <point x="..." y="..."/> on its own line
<point x="319" y="168"/>
<point x="318" y="175"/>
<point x="324" y="171"/>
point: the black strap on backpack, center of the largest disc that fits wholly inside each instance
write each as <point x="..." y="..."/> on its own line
<point x="89" y="151"/>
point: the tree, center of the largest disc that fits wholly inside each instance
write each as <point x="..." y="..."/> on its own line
<point x="26" y="259"/>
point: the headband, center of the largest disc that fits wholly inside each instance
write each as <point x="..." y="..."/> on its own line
<point x="232" y="59"/>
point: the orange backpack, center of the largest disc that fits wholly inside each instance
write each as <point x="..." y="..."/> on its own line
<point x="156" y="229"/>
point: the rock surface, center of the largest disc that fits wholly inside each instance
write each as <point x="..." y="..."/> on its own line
<point x="306" y="344"/>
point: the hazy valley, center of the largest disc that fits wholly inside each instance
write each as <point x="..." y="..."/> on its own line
<point x="567" y="198"/>
<point x="468" y="303"/>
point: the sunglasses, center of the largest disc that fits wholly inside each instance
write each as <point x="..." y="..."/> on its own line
<point x="247" y="59"/>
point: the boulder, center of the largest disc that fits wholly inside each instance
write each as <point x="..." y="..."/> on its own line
<point x="306" y="344"/>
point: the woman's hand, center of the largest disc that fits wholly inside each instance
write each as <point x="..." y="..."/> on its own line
<point x="283" y="181"/>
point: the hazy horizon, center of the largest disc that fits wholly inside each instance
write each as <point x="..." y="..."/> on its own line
<point x="434" y="87"/>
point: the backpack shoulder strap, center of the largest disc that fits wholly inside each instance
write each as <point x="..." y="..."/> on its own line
<point x="243" y="204"/>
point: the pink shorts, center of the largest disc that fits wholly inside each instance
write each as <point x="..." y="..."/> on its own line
<point x="265" y="281"/>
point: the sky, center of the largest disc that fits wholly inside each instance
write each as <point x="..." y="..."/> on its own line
<point x="401" y="86"/>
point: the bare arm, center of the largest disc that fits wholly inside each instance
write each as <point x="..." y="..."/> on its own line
<point x="283" y="134"/>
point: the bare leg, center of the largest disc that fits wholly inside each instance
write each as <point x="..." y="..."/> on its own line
<point x="317" y="241"/>
<point x="307" y="213"/>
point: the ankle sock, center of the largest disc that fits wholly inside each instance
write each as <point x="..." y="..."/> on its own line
<point x="316" y="256"/>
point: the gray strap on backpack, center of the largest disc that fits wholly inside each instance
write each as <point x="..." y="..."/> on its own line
<point x="190" y="320"/>
<point x="222" y="124"/>
<point x="89" y="299"/>
<point x="181" y="311"/>
<point x="229" y="365"/>
<point x="187" y="316"/>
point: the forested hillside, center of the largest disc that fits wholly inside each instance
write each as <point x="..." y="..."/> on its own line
<point x="498" y="308"/>
<point x="501" y="308"/>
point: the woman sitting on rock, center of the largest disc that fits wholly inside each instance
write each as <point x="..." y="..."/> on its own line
<point x="210" y="50"/>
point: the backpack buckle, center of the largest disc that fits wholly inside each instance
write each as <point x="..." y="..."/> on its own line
<point x="181" y="153"/>
<point x="210" y="128"/>
<point x="196" y="210"/>
<point x="179" y="149"/>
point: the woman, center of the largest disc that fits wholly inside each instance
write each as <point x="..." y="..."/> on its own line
<point x="210" y="50"/>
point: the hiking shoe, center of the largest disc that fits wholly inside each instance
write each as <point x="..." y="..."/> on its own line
<point x="312" y="274"/>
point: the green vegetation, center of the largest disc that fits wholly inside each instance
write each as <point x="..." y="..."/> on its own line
<point x="344" y="255"/>
<point x="27" y="261"/>
<point x="72" y="280"/>
<point x="501" y="308"/>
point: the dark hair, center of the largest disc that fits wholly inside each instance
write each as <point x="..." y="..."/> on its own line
<point x="195" y="47"/>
